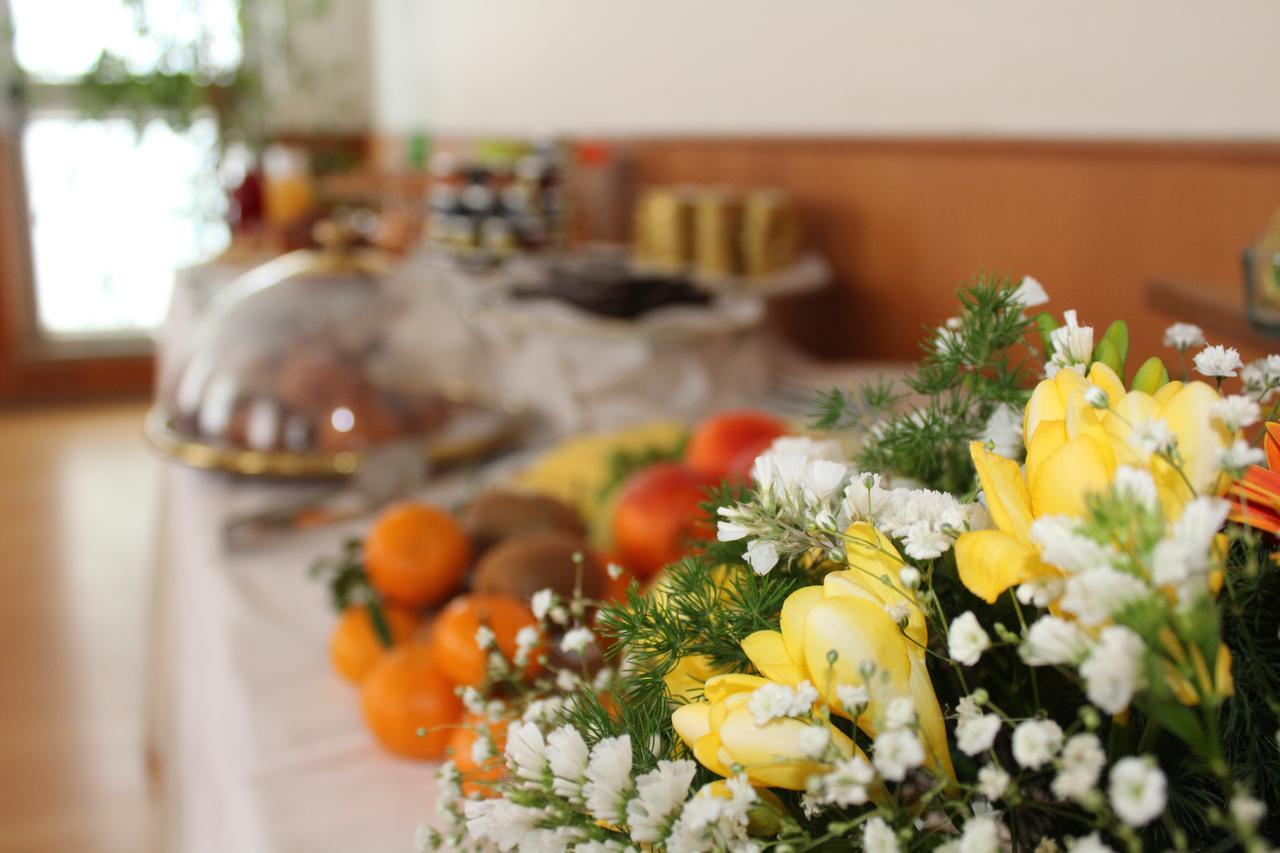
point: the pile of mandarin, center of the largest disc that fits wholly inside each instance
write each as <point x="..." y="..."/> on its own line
<point x="437" y="577"/>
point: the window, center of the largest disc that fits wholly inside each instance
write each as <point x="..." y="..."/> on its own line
<point x="115" y="204"/>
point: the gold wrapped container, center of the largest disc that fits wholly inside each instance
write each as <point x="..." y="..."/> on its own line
<point x="714" y="234"/>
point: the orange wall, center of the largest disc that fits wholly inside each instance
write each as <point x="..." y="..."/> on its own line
<point x="904" y="221"/>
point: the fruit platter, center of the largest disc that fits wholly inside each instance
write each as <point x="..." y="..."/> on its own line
<point x="429" y="593"/>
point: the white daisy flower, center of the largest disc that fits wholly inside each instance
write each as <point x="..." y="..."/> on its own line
<point x="608" y="779"/>
<point x="1072" y="345"/>
<point x="501" y="821"/>
<point x="526" y="752"/>
<point x="659" y="794"/>
<point x="568" y="757"/>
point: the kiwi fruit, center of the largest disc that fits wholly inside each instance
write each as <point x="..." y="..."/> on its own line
<point x="496" y="516"/>
<point x="519" y="567"/>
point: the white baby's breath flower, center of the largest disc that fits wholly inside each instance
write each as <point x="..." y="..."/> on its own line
<point x="1218" y="361"/>
<point x="896" y="752"/>
<point x="526" y="752"/>
<point x="879" y="837"/>
<point x="1051" y="641"/>
<point x="526" y="639"/>
<point x="976" y="734"/>
<point x="992" y="782"/>
<point x="852" y="697"/>
<point x="614" y="571"/>
<point x="576" y="640"/>
<point x="485" y="638"/>
<point x="966" y="641"/>
<point x="1183" y="336"/>
<point x="774" y="701"/>
<point x="1093" y="596"/>
<point x="1030" y="293"/>
<point x="847" y="783"/>
<point x="813" y="741"/>
<point x="1072" y="345"/>
<point x="1184" y="555"/>
<point x="1064" y="546"/>
<point x="1153" y="436"/>
<point x="609" y="779"/>
<point x="1137" y="485"/>
<point x="567" y="680"/>
<point x="471" y="699"/>
<point x="1137" y="790"/>
<point x="1040" y="592"/>
<point x="1113" y="670"/>
<point x="909" y="577"/>
<point x="1082" y="761"/>
<point x="1247" y="811"/>
<point x="1239" y="456"/>
<point x="1091" y="843"/>
<point x="901" y="713"/>
<point x="981" y="834"/>
<point x="1036" y="742"/>
<point x="541" y="603"/>
<point x="762" y="556"/>
<point x="1236" y="412"/>
<point x="659" y="794"/>
<point x="482" y="749"/>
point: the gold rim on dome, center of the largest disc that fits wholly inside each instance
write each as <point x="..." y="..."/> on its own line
<point x="507" y="421"/>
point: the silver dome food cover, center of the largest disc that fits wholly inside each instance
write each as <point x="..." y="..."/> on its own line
<point x="306" y="364"/>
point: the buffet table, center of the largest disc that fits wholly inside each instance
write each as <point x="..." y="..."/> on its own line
<point x="257" y="743"/>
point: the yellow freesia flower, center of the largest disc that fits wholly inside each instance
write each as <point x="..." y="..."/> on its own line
<point x="725" y="738"/>
<point x="1073" y="449"/>
<point x="830" y="633"/>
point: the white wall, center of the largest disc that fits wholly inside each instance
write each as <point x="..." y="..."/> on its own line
<point x="1082" y="68"/>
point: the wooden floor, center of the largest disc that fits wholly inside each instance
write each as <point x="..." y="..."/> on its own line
<point x="78" y="495"/>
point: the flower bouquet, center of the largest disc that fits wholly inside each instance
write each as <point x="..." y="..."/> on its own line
<point x="1025" y="601"/>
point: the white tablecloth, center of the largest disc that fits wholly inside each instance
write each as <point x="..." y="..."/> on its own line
<point x="259" y="744"/>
